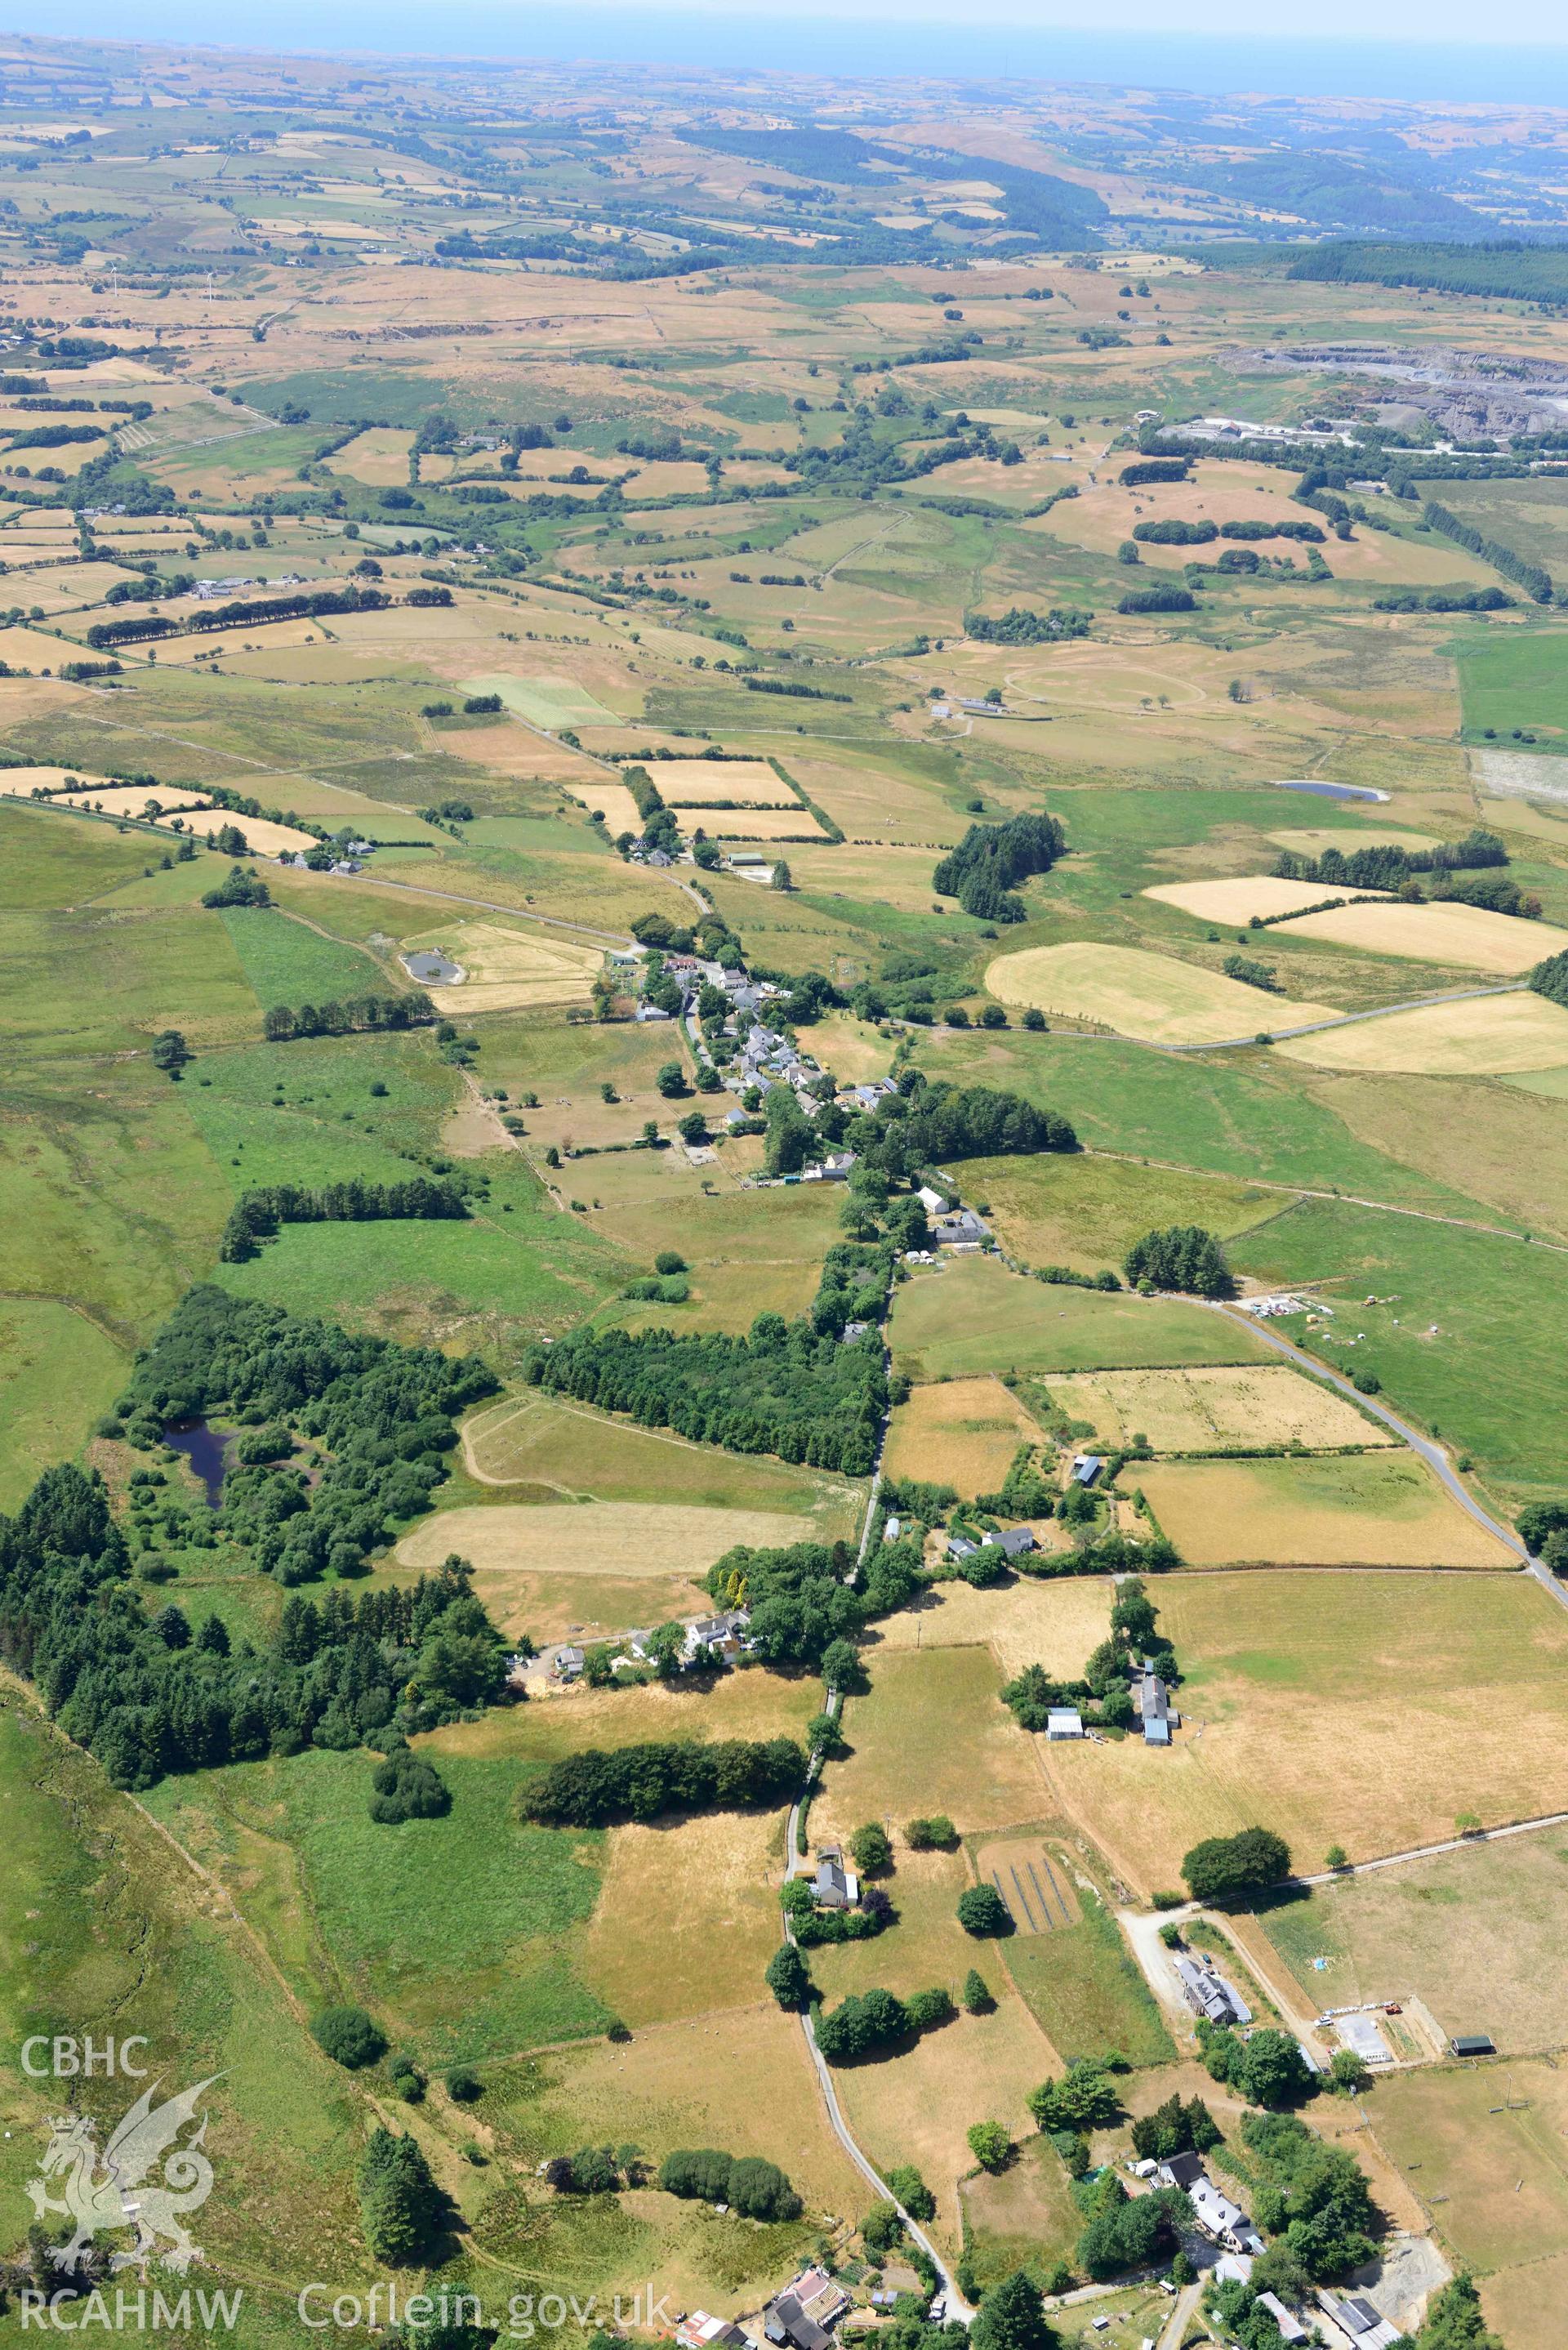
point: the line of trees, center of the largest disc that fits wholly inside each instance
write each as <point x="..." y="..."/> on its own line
<point x="869" y="2021"/>
<point x="245" y="612"/>
<point x="256" y="1215"/>
<point x="981" y="872"/>
<point x="757" y="2190"/>
<point x="287" y="1024"/>
<point x="1158" y="599"/>
<point x="1388" y="866"/>
<point x="1444" y="599"/>
<point x="645" y="1782"/>
<point x="1535" y="581"/>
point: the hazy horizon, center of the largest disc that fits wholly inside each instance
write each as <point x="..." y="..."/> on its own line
<point x="1522" y="72"/>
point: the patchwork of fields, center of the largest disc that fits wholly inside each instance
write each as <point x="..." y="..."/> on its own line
<point x="490" y="1134"/>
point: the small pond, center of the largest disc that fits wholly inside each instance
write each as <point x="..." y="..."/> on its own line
<point x="1334" y="791"/>
<point x="433" y="967"/>
<point x="207" y="1449"/>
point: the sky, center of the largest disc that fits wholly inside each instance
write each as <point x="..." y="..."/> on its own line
<point x="1398" y="49"/>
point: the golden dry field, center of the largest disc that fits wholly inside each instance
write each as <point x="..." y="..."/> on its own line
<point x="505" y="970"/>
<point x="962" y="1432"/>
<point x="619" y="1539"/>
<point x="1236" y="901"/>
<point x="1471" y="938"/>
<point x="698" y="783"/>
<point x="1483" y="1036"/>
<point x="1213" y="1410"/>
<point x="1383" y="1509"/>
<point x="1368" y="1710"/>
<point x="1136" y="993"/>
<point x="1056" y="1621"/>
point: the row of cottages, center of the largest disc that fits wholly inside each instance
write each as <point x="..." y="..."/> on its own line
<point x="722" y="1636"/>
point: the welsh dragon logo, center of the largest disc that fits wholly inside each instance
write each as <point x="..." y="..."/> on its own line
<point x="113" y="2189"/>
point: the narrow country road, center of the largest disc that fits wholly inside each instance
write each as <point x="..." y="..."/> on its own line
<point x="794" y="1865"/>
<point x="957" y="2307"/>
<point x="1345" y="1019"/>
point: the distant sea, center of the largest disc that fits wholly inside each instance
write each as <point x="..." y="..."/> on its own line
<point x="973" y="53"/>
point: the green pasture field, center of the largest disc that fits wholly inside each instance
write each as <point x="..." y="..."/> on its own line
<point x="50" y="860"/>
<point x="80" y="979"/>
<point x="490" y="1284"/>
<point x="457" y="1937"/>
<point x="1247" y="1115"/>
<point x="287" y="963"/>
<point x="83" y="1219"/>
<point x="728" y="1297"/>
<point x="58" y="1372"/>
<point x="1466" y="1343"/>
<point x="974" y="1316"/>
<point x="1085" y="1990"/>
<point x="1056" y="1208"/>
<point x="105" y="1929"/>
<point x="304" y="1112"/>
<point x="531" y="1446"/>
<point x="543" y="701"/>
<point x="1530" y="516"/>
<point x="1510" y="678"/>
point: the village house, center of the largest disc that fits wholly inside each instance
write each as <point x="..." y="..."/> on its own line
<point x="1151" y="1703"/>
<point x="836" y="1885"/>
<point x="1223" y="2222"/>
<point x="720" y="1633"/>
<point x="1208" y="1994"/>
